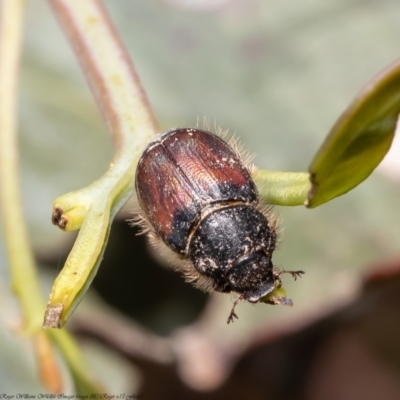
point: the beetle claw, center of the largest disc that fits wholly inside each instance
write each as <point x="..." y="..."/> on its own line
<point x="233" y="315"/>
<point x="295" y="274"/>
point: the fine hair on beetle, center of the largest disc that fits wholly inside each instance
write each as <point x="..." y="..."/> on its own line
<point x="200" y="207"/>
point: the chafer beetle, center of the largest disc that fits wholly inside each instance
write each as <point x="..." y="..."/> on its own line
<point x="198" y="197"/>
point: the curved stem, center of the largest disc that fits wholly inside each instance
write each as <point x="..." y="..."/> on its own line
<point x="129" y="118"/>
<point x="108" y="70"/>
<point x="23" y="273"/>
<point x="22" y="266"/>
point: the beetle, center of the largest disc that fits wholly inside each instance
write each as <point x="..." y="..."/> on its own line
<point x="198" y="198"/>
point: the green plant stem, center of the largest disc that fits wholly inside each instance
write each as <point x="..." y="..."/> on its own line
<point x="84" y="385"/>
<point x="283" y="188"/>
<point x="23" y="273"/>
<point x="130" y="120"/>
<point x="24" y="277"/>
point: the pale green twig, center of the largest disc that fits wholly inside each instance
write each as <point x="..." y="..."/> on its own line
<point x="22" y="267"/>
<point x="128" y="116"/>
<point x="84" y="383"/>
<point x="283" y="188"/>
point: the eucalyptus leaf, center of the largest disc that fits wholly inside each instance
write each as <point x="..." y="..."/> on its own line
<point x="359" y="140"/>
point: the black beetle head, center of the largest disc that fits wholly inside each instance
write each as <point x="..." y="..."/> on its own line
<point x="251" y="276"/>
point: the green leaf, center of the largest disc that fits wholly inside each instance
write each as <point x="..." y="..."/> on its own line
<point x="359" y="140"/>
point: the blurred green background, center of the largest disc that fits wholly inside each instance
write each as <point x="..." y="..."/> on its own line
<point x="277" y="74"/>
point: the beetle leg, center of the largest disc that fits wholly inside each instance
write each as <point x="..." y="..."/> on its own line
<point x="233" y="315"/>
<point x="295" y="274"/>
